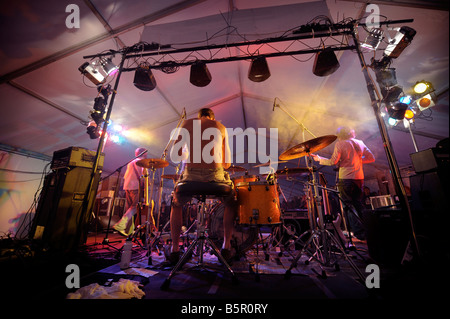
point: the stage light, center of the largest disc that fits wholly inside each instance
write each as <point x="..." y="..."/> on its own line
<point x="392" y="94"/>
<point x="259" y="70"/>
<point x="373" y="39"/>
<point x="93" y="130"/>
<point x="143" y="77"/>
<point x="406" y="99"/>
<point x="400" y="41"/>
<point x="91" y="71"/>
<point x="108" y="66"/>
<point x="423" y="87"/>
<point x="425" y="95"/>
<point x="426" y="101"/>
<point x="386" y="77"/>
<point x="199" y="75"/>
<point x="397" y="110"/>
<point x="325" y="63"/>
<point x="392" y="121"/>
<point x="409" y="114"/>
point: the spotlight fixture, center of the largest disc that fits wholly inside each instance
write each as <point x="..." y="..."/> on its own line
<point x="424" y="93"/>
<point x="143" y="77"/>
<point x="386" y="77"/>
<point x="397" y="110"/>
<point x="93" y="130"/>
<point x="400" y="41"/>
<point x="199" y="75"/>
<point x="409" y="114"/>
<point x="373" y="39"/>
<point x="108" y="66"/>
<point x="423" y="87"/>
<point x="259" y="70"/>
<point x="91" y="71"/>
<point x="426" y="101"/>
<point x="392" y="94"/>
<point x="325" y="62"/>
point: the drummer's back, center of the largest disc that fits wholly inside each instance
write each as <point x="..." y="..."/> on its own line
<point x="196" y="127"/>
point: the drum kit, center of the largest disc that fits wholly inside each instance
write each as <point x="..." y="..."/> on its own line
<point x="258" y="205"/>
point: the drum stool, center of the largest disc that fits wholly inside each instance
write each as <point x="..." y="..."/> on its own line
<point x="201" y="191"/>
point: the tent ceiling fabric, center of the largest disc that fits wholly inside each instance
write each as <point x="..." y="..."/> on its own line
<point x="46" y="101"/>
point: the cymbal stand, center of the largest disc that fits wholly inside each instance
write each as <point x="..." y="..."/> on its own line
<point x="147" y="225"/>
<point x="158" y="233"/>
<point x="322" y="240"/>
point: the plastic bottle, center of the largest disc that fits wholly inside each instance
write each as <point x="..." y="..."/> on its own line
<point x="126" y="254"/>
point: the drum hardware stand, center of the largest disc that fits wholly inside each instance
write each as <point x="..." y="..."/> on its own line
<point x="157" y="237"/>
<point x="323" y="240"/>
<point x="199" y="242"/>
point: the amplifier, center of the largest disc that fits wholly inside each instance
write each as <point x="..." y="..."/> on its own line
<point x="75" y="157"/>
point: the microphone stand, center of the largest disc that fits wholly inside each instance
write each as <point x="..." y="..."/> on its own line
<point x="304" y="128"/>
<point x="158" y="233"/>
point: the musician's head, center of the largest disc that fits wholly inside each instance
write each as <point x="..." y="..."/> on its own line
<point x="206" y="112"/>
<point x="345" y="133"/>
<point x="139" y="150"/>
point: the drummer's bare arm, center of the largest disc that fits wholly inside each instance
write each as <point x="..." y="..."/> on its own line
<point x="226" y="151"/>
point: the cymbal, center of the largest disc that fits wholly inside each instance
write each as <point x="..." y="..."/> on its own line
<point x="171" y="176"/>
<point x="152" y="163"/>
<point x="307" y="147"/>
<point x="269" y="164"/>
<point x="233" y="169"/>
<point x="294" y="170"/>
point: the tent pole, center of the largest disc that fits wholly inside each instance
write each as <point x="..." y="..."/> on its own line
<point x="92" y="185"/>
<point x="398" y="182"/>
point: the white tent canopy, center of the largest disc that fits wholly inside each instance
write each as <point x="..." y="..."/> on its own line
<point x="46" y="101"/>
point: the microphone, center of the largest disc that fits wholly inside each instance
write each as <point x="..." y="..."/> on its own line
<point x="274" y="104"/>
<point x="183" y="115"/>
<point x="144" y="152"/>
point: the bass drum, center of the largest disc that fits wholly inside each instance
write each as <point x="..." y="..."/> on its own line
<point x="243" y="238"/>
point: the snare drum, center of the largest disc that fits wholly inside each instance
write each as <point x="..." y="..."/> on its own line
<point x="258" y="203"/>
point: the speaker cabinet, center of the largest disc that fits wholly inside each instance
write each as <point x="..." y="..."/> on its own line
<point x="60" y="222"/>
<point x="387" y="233"/>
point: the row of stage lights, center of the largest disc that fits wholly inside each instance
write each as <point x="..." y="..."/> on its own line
<point x="397" y="104"/>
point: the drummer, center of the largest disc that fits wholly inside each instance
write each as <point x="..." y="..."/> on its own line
<point x="200" y="170"/>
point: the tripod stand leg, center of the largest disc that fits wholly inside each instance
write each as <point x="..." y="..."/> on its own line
<point x="180" y="263"/>
<point x="222" y="259"/>
<point x="346" y="257"/>
<point x="287" y="275"/>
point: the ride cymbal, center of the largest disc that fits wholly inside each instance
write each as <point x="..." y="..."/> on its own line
<point x="307" y="147"/>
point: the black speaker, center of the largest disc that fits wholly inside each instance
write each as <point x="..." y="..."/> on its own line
<point x="387" y="234"/>
<point x="325" y="63"/>
<point x="59" y="221"/>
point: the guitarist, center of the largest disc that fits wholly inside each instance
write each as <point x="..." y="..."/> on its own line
<point x="350" y="154"/>
<point x="133" y="193"/>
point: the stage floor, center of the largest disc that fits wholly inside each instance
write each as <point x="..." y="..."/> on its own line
<point x="261" y="276"/>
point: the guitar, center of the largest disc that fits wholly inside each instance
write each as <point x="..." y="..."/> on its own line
<point x="327" y="210"/>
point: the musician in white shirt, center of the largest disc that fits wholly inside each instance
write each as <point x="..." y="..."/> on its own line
<point x="349" y="155"/>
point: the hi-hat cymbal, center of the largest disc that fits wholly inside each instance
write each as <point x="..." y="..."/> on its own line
<point x="307" y="147"/>
<point x="152" y="163"/>
<point x="171" y="176"/>
<point x="294" y="170"/>
<point x="234" y="168"/>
